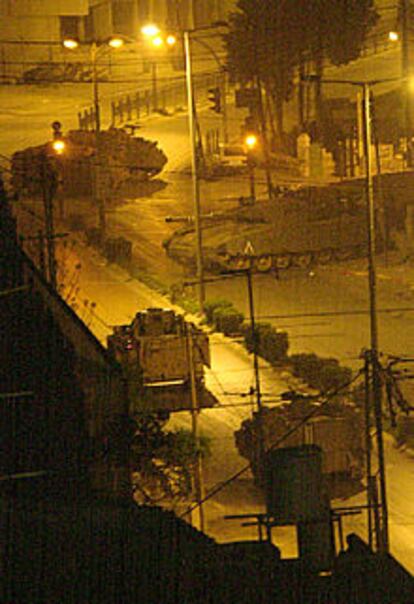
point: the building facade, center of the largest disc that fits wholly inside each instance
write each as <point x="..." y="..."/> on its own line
<point x="31" y="31"/>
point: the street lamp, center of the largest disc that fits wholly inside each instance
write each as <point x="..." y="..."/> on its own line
<point x="157" y="40"/>
<point x="371" y="232"/>
<point x="250" y="142"/>
<point x="94" y="49"/>
<point x="58" y="146"/>
<point x="153" y="32"/>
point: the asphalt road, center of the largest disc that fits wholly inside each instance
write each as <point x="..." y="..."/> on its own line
<point x="326" y="309"/>
<point x="336" y="288"/>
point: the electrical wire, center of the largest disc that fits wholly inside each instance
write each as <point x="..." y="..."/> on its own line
<point x="220" y="486"/>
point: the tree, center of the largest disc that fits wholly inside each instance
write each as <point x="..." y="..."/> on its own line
<point x="268" y="41"/>
<point x="163" y="460"/>
<point x="261" y="51"/>
<point x="336" y="30"/>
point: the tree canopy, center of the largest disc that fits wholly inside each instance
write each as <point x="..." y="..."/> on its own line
<point x="269" y="40"/>
<point x="163" y="460"/>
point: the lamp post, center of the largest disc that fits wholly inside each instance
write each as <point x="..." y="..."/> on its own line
<point x="194" y="161"/>
<point x="49" y="185"/>
<point x="251" y="141"/>
<point x="366" y="86"/>
<point x="194" y="171"/>
<point x="94" y="49"/>
<point x="153" y="32"/>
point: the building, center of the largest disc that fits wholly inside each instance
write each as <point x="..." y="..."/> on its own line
<point x="31" y="33"/>
<point x="63" y="396"/>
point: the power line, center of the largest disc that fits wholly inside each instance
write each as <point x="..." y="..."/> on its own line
<point x="286" y="435"/>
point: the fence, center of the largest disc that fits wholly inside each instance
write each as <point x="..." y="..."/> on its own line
<point x="134" y="105"/>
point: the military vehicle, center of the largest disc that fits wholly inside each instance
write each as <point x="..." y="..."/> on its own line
<point x="163" y="359"/>
<point x="295" y="228"/>
<point x="124" y="161"/>
<point x="338" y="429"/>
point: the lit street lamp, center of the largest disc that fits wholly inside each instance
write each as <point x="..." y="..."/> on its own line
<point x="94" y="50"/>
<point x="49" y="184"/>
<point x="154" y="33"/>
<point x="250" y="142"/>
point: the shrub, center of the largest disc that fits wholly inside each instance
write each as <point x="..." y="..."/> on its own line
<point x="211" y="305"/>
<point x="272" y="345"/>
<point x="228" y="320"/>
<point x="333" y="376"/>
<point x="320" y="373"/>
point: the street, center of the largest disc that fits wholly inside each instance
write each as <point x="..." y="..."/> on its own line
<point x="118" y="298"/>
<point x="307" y="304"/>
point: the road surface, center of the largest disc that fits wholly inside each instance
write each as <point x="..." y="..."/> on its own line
<point x="106" y="295"/>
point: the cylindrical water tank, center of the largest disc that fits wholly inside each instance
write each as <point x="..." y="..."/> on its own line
<point x="294" y="488"/>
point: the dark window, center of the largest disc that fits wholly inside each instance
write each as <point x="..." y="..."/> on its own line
<point x="69" y="27"/>
<point x="124" y="14"/>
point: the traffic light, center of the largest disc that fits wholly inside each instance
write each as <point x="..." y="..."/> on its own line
<point x="214" y="96"/>
<point x="57" y="130"/>
<point x="58" y="144"/>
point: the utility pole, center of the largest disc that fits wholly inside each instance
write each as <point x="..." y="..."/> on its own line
<point x="376" y="379"/>
<point x="405" y="68"/>
<point x="48" y="185"/>
<point x="224" y="106"/>
<point x="261" y="444"/>
<point x="154" y="86"/>
<point x="264" y="137"/>
<point x="252" y="182"/>
<point x="375" y="393"/>
<point x="194" y="167"/>
<point x="195" y="410"/>
<point x="98" y="193"/>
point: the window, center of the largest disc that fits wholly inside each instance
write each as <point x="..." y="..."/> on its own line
<point x="69" y="27"/>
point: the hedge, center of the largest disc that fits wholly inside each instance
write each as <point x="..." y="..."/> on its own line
<point x="320" y="373"/>
<point x="272" y="345"/>
<point x="228" y="320"/>
<point x="211" y="305"/>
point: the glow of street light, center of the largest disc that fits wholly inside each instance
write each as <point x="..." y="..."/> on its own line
<point x="116" y="42"/>
<point x="171" y="40"/>
<point x="393" y="36"/>
<point x="150" y="30"/>
<point x="58" y="146"/>
<point x="157" y="41"/>
<point x="250" y="141"/>
<point x="70" y="43"/>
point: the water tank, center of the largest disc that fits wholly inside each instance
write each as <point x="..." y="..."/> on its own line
<point x="294" y="488"/>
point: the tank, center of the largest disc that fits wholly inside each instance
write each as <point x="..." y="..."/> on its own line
<point x="338" y="432"/>
<point x="294" y="486"/>
<point x="126" y="161"/>
<point x="312" y="225"/>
